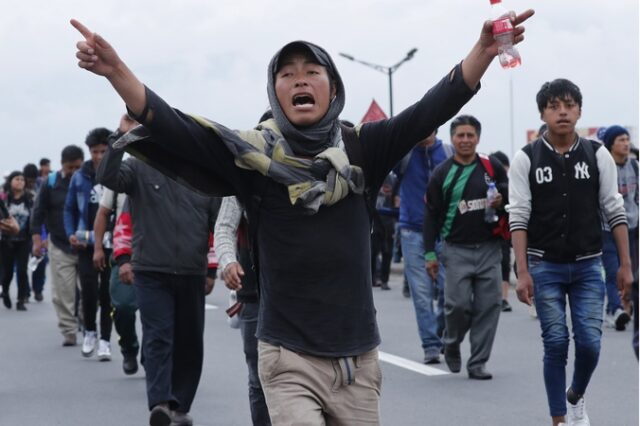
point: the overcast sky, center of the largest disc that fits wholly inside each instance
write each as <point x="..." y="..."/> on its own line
<point x="210" y="58"/>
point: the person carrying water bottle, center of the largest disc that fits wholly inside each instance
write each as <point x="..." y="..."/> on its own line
<point x="455" y="212"/>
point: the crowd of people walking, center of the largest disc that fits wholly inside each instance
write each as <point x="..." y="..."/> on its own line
<point x="301" y="215"/>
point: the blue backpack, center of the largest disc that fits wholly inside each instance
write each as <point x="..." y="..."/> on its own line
<point x="51" y="179"/>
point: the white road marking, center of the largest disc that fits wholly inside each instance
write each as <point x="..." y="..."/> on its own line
<point x="209" y="307"/>
<point x="410" y="365"/>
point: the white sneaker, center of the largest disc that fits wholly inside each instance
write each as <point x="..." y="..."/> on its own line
<point x="89" y="343"/>
<point x="620" y="319"/>
<point x="104" y="350"/>
<point x="577" y="414"/>
<point x="609" y="321"/>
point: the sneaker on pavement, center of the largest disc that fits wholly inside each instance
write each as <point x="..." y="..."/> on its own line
<point x="20" y="305"/>
<point x="506" y="307"/>
<point x="609" y="322"/>
<point x="104" y="350"/>
<point x="621" y="318"/>
<point x="432" y="356"/>
<point x="39" y="297"/>
<point x="385" y="286"/>
<point x="69" y="339"/>
<point x="130" y="364"/>
<point x="89" y="343"/>
<point x="577" y="413"/>
<point x="181" y="419"/>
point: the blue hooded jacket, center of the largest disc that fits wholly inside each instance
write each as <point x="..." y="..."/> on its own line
<point x="76" y="206"/>
<point x="413" y="187"/>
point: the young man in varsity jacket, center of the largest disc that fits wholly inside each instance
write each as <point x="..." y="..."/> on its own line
<point x="559" y="185"/>
<point x="456" y="201"/>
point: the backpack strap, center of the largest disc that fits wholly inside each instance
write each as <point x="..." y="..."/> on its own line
<point x="51" y="179"/>
<point x="502" y="226"/>
<point x="486" y="163"/>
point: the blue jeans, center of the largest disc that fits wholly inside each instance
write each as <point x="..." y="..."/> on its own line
<point x="248" y="325"/>
<point x="423" y="290"/>
<point x="611" y="265"/>
<point x="582" y="282"/>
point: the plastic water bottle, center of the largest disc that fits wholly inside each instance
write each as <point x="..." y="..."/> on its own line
<point x="85" y="237"/>
<point x="234" y="320"/>
<point x="503" y="34"/>
<point x="107" y="240"/>
<point x="490" y="215"/>
<point x="34" y="262"/>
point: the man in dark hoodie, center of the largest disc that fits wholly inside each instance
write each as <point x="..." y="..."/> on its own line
<point x="80" y="210"/>
<point x="305" y="197"/>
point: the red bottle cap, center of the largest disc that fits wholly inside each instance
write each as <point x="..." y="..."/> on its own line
<point x="495" y="1"/>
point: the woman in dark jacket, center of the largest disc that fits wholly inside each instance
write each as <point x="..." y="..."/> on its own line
<point x="15" y="248"/>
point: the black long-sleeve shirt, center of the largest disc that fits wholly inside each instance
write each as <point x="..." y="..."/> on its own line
<point x="460" y="218"/>
<point x="314" y="270"/>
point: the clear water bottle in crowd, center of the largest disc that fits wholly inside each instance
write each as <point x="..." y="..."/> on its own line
<point x="85" y="237"/>
<point x="107" y="240"/>
<point x="490" y="215"/>
<point x="503" y="34"/>
<point x="234" y="317"/>
<point x="34" y="262"/>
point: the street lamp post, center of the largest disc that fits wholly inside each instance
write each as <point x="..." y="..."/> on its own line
<point x="386" y="70"/>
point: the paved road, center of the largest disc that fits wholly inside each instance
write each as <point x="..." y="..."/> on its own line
<point x="42" y="383"/>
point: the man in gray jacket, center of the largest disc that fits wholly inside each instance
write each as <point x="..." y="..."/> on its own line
<point x="171" y="228"/>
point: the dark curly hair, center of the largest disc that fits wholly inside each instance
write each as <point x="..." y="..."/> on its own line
<point x="97" y="136"/>
<point x="561" y="89"/>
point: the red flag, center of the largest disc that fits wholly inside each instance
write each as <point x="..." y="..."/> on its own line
<point x="374" y="113"/>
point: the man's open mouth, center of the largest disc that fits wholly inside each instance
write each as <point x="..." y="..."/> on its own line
<point x="303" y="99"/>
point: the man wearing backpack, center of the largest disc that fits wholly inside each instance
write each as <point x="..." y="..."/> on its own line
<point x="420" y="164"/>
<point x="81" y="206"/>
<point x="49" y="210"/>
<point x="560" y="186"/>
<point x="122" y="295"/>
<point x="471" y="253"/>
